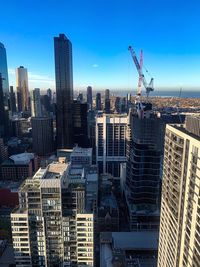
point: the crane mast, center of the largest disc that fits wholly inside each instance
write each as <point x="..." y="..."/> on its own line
<point x="149" y="87"/>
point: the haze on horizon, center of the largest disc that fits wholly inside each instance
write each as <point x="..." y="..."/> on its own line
<point x="100" y="33"/>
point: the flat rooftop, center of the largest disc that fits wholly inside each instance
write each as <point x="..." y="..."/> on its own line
<point x="144" y="240"/>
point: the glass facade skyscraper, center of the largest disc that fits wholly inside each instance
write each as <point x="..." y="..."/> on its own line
<point x="4" y="93"/>
<point x="64" y="91"/>
<point x="4" y="73"/>
<point x="22" y="89"/>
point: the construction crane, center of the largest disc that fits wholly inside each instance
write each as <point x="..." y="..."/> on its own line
<point x="149" y="87"/>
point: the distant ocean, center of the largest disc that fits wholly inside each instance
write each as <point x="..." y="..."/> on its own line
<point x="184" y="94"/>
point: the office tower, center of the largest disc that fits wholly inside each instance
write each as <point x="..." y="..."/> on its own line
<point x="122" y="105"/>
<point x="107" y="101"/>
<point x="80" y="97"/>
<point x="4" y="74"/>
<point x="117" y="104"/>
<point x="98" y="101"/>
<point x="128" y="102"/>
<point x="80" y="124"/>
<point x="49" y="94"/>
<point x="110" y="142"/>
<point x="45" y="105"/>
<point x="64" y="91"/>
<point x="42" y="134"/>
<point x="36" y="110"/>
<point x="52" y="226"/>
<point x="22" y="89"/>
<point x="180" y="205"/>
<point x="12" y="100"/>
<point x="4" y="94"/>
<point x="89" y="97"/>
<point x="2" y="110"/>
<point x="143" y="170"/>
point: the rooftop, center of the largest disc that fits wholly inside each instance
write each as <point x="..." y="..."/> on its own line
<point x="142" y="240"/>
<point x="23" y="158"/>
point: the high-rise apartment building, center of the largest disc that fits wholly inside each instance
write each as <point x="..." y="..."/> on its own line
<point x="52" y="227"/>
<point x="36" y="109"/>
<point x="64" y="91"/>
<point x="22" y="89"/>
<point x="180" y="205"/>
<point x="42" y="134"/>
<point x="110" y="142"/>
<point x="89" y="97"/>
<point x="143" y="170"/>
<point x="98" y="101"/>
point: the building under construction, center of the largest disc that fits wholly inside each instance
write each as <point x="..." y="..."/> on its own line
<point x="144" y="155"/>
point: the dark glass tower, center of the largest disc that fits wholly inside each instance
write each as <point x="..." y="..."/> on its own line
<point x="80" y="124"/>
<point x="4" y="93"/>
<point x="4" y="74"/>
<point x="12" y="100"/>
<point x="107" y="101"/>
<point x="98" y="101"/>
<point x="89" y="97"/>
<point x="64" y="91"/>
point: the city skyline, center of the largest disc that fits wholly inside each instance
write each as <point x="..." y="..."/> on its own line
<point x="101" y="58"/>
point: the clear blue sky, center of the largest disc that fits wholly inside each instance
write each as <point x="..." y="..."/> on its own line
<point x="100" y="32"/>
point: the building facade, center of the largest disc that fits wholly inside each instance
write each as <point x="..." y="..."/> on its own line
<point x="51" y="226"/>
<point x="36" y="109"/>
<point x="42" y="134"/>
<point x="22" y="89"/>
<point x="98" y="101"/>
<point x="110" y="142"/>
<point x="4" y="74"/>
<point x="4" y="93"/>
<point x="12" y="100"/>
<point x="64" y="91"/>
<point x="143" y="171"/>
<point x="107" y="101"/>
<point x="180" y="206"/>
<point x="89" y="97"/>
<point x="80" y="123"/>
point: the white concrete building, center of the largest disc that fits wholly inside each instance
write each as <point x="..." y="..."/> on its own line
<point x="111" y="142"/>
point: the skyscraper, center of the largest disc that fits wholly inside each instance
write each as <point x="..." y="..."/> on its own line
<point x="42" y="133"/>
<point x="80" y="124"/>
<point x="4" y="93"/>
<point x="22" y="89"/>
<point x="89" y="97"/>
<point x="49" y="93"/>
<point x="180" y="205"/>
<point x="12" y="100"/>
<point x="98" y="101"/>
<point x="36" y="110"/>
<point x="4" y="74"/>
<point x="107" y="101"/>
<point x="64" y="91"/>
<point x="143" y="170"/>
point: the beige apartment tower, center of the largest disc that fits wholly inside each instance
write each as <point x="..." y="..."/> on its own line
<point x="51" y="227"/>
<point x="22" y="89"/>
<point x="179" y="240"/>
